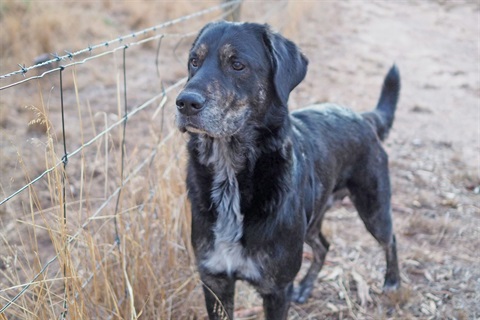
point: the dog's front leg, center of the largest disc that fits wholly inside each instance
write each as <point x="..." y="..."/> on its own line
<point x="277" y="303"/>
<point x="219" y="296"/>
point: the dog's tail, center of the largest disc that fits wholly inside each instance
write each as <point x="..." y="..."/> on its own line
<point x="382" y="117"/>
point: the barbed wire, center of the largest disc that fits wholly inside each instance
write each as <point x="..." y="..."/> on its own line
<point x="93" y="57"/>
<point x="70" y="55"/>
<point x="65" y="157"/>
<point x="98" y="136"/>
<point x="105" y="53"/>
<point x="99" y="210"/>
<point x="70" y="58"/>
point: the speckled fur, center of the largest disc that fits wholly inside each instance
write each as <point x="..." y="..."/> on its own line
<point x="260" y="178"/>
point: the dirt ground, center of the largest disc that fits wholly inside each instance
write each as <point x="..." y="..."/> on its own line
<point x="434" y="150"/>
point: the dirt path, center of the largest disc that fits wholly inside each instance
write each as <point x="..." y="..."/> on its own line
<point x="434" y="150"/>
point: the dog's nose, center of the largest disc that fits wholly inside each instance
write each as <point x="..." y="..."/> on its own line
<point x="190" y="103"/>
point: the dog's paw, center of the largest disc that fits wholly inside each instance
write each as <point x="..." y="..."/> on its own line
<point x="391" y="286"/>
<point x="301" y="294"/>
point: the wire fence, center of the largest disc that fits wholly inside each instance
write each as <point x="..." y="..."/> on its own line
<point x="58" y="65"/>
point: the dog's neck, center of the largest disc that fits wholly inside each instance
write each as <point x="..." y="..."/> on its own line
<point x="221" y="153"/>
<point x="226" y="157"/>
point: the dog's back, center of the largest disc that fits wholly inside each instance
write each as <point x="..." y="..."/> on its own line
<point x="337" y="122"/>
<point x="348" y="136"/>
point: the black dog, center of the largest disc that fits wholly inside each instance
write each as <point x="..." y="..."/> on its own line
<point x="260" y="179"/>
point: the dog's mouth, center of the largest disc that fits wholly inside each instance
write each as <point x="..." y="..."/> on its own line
<point x="194" y="129"/>
<point x="189" y="124"/>
<point x="211" y="125"/>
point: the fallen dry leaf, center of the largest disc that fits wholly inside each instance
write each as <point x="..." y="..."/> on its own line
<point x="332" y="307"/>
<point x="362" y="288"/>
<point x="337" y="271"/>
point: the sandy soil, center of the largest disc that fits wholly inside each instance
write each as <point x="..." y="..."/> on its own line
<point x="434" y="148"/>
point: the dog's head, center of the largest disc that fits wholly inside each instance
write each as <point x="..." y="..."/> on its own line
<point x="236" y="72"/>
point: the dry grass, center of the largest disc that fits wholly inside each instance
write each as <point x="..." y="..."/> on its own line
<point x="148" y="273"/>
<point x="152" y="261"/>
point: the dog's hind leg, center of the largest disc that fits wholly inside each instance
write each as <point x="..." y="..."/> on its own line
<point x="370" y="193"/>
<point x="276" y="304"/>
<point x="219" y="296"/>
<point x="319" y="246"/>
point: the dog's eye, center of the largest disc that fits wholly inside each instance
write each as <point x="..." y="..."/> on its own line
<point x="238" y="66"/>
<point x="194" y="62"/>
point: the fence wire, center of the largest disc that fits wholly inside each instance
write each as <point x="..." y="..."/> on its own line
<point x="230" y="5"/>
<point x="68" y="60"/>
<point x="78" y="58"/>
<point x="113" y="195"/>
<point x="109" y="52"/>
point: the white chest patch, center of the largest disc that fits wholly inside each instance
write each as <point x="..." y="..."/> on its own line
<point x="231" y="259"/>
<point x="228" y="254"/>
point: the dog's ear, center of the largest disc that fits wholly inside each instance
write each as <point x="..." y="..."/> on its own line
<point x="289" y="64"/>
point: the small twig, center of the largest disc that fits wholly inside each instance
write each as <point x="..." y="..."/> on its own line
<point x="347" y="299"/>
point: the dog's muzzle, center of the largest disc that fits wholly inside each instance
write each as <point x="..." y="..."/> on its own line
<point x="190" y="103"/>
